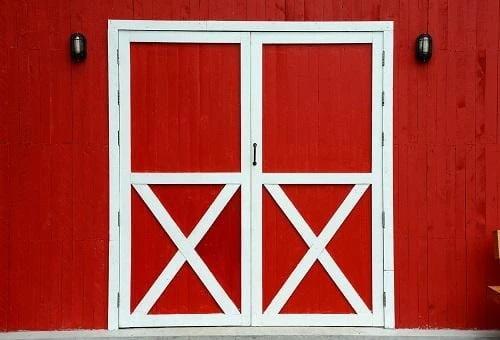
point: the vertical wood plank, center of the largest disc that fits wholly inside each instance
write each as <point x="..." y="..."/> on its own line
<point x="256" y="10"/>
<point x="4" y="236"/>
<point x="275" y="9"/>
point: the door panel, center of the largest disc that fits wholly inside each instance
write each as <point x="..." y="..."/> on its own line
<point x="316" y="100"/>
<point x="220" y="249"/>
<point x="350" y="248"/>
<point x="316" y="185"/>
<point x="185" y="107"/>
<point x="185" y="179"/>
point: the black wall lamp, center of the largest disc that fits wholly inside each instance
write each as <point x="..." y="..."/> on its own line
<point x="424" y="47"/>
<point x="78" y="47"/>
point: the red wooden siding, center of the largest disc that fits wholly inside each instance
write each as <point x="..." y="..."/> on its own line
<point x="54" y="155"/>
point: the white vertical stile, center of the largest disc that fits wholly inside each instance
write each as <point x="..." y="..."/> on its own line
<point x="256" y="217"/>
<point x="114" y="185"/>
<point x="389" y="314"/>
<point x="388" y="181"/>
<point x="245" y="184"/>
<point x="125" y="185"/>
<point x="377" y="210"/>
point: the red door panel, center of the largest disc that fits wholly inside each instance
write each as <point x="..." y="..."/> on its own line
<point x="283" y="248"/>
<point x="185" y="117"/>
<point x="317" y="124"/>
<point x="185" y="107"/>
<point x="316" y="102"/>
<point x="152" y="249"/>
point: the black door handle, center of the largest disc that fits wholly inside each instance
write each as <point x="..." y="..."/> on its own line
<point x="254" y="154"/>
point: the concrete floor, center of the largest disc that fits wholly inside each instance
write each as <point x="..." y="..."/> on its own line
<point x="258" y="333"/>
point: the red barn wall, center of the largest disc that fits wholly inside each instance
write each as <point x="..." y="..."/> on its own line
<point x="54" y="153"/>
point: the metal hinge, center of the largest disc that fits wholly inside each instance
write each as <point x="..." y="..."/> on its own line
<point x="383" y="98"/>
<point x="118" y="134"/>
<point x="383" y="58"/>
<point x="385" y="299"/>
<point x="117" y="57"/>
<point x="118" y="219"/>
<point x="383" y="139"/>
<point x="118" y="301"/>
<point x="118" y="92"/>
<point x="383" y="219"/>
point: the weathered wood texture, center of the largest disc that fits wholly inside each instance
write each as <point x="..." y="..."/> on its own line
<point x="54" y="165"/>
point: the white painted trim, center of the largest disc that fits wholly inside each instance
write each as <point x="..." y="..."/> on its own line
<point x="389" y="312"/>
<point x="186" y="178"/>
<point x="252" y="26"/>
<point x="387" y="179"/>
<point x="114" y="176"/>
<point x="124" y="30"/>
<point x="124" y="176"/>
<point x="377" y="208"/>
<point x="312" y="37"/>
<point x="182" y="320"/>
<point x="245" y="156"/>
<point x="256" y="197"/>
<point x="293" y="320"/>
<point x="316" y="178"/>
<point x="185" y="37"/>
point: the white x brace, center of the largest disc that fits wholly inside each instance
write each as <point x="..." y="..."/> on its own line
<point x="186" y="249"/>
<point x="317" y="249"/>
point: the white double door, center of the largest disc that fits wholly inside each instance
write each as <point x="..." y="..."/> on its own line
<point x="280" y="133"/>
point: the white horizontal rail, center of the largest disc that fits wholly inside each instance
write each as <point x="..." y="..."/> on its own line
<point x="316" y="178"/>
<point x="316" y="320"/>
<point x="180" y="320"/>
<point x="185" y="37"/>
<point x="252" y="26"/>
<point x="186" y="178"/>
<point x="314" y="38"/>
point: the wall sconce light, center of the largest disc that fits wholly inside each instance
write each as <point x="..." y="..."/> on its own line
<point x="424" y="47"/>
<point x="78" y="47"/>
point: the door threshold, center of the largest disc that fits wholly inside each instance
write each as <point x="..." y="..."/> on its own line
<point x="256" y="332"/>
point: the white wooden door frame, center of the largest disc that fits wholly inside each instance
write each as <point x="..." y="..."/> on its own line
<point x="120" y="34"/>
